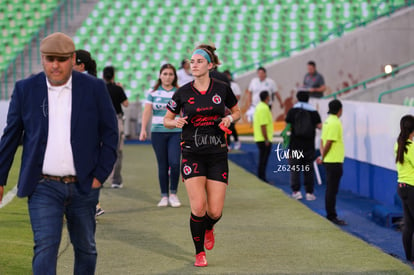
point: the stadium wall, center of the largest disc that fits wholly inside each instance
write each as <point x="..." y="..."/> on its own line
<point x="356" y="56"/>
<point x="370" y="132"/>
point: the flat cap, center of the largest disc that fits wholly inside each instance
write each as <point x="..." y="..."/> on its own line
<point x="57" y="44"/>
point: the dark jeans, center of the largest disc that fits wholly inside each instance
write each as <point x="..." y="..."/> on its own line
<point x="264" y="152"/>
<point x="116" y="173"/>
<point x="406" y="193"/>
<point x="47" y="205"/>
<point x="298" y="166"/>
<point x="334" y="173"/>
<point x="168" y="151"/>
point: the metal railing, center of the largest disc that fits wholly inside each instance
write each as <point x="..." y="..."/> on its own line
<point x="65" y="10"/>
<point x="365" y="82"/>
<point x="337" y="31"/>
<point x="393" y="91"/>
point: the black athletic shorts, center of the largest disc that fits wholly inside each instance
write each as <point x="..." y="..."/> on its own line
<point x="212" y="166"/>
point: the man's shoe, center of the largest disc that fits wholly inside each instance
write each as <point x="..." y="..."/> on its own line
<point x="209" y="239"/>
<point x="99" y="211"/>
<point x="163" y="202"/>
<point x="115" y="186"/>
<point x="297" y="195"/>
<point x="338" y="221"/>
<point x="310" y="197"/>
<point x="201" y="259"/>
<point x="174" y="201"/>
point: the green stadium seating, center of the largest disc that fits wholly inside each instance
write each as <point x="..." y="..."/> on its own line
<point x="138" y="36"/>
<point x="244" y="31"/>
<point x="19" y="21"/>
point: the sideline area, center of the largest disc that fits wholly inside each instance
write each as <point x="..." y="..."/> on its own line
<point x="262" y="232"/>
<point x="353" y="208"/>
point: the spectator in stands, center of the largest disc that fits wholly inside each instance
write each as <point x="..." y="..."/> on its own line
<point x="70" y="137"/>
<point x="256" y="86"/>
<point x="314" y="81"/>
<point x="84" y="63"/>
<point x="263" y="132"/>
<point x="166" y="142"/>
<point x="237" y="92"/>
<point x="404" y="150"/>
<point x="184" y="74"/>
<point x="332" y="156"/>
<point x="303" y="119"/>
<point x="119" y="99"/>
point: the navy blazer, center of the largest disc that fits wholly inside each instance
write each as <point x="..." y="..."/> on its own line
<point x="94" y="131"/>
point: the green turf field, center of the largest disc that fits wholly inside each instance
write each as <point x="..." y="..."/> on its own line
<point x="16" y="239"/>
<point x="262" y="232"/>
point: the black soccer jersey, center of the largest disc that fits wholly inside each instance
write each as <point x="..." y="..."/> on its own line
<point x="204" y="110"/>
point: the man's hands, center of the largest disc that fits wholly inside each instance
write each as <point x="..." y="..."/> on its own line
<point x="96" y="184"/>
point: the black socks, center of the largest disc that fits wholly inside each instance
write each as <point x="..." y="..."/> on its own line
<point x="210" y="222"/>
<point x="197" y="226"/>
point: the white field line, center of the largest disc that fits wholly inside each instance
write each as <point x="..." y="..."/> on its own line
<point x="9" y="197"/>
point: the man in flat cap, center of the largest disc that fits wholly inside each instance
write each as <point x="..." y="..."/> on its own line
<point x="70" y="136"/>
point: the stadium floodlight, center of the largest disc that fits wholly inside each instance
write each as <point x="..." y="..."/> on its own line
<point x="388" y="69"/>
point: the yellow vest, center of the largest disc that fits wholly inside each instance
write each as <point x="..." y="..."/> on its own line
<point x="406" y="170"/>
<point x="262" y="116"/>
<point x="332" y="130"/>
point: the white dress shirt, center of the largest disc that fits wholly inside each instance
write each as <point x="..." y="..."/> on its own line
<point x="183" y="77"/>
<point x="235" y="88"/>
<point x="58" y="159"/>
<point x="257" y="86"/>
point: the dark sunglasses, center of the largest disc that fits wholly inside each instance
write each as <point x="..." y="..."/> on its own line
<point x="50" y="58"/>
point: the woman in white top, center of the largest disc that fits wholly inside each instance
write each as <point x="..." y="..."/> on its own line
<point x="166" y="142"/>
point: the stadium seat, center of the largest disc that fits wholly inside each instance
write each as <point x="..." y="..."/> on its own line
<point x="19" y="22"/>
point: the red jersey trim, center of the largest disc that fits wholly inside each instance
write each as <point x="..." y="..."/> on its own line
<point x="210" y="87"/>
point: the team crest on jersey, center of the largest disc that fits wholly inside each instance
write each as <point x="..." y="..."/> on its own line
<point x="172" y="104"/>
<point x="187" y="170"/>
<point x="159" y="106"/>
<point x="216" y="99"/>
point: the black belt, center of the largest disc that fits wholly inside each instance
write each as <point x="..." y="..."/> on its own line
<point x="64" y="179"/>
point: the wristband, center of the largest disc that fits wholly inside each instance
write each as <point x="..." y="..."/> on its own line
<point x="231" y="118"/>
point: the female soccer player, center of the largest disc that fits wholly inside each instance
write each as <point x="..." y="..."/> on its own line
<point x="204" y="150"/>
<point x="404" y="149"/>
<point x="166" y="142"/>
